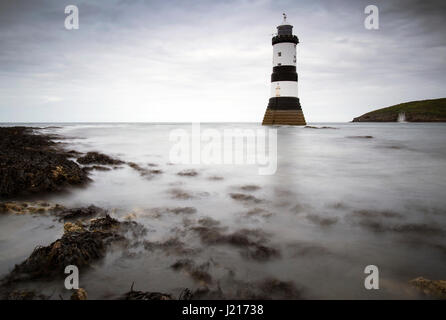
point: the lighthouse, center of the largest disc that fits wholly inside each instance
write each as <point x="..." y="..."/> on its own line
<point x="284" y="106"/>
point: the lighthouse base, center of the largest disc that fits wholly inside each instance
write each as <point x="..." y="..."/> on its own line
<point x="291" y="117"/>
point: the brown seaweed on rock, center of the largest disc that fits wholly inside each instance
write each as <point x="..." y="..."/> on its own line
<point x="430" y="288"/>
<point x="33" y="207"/>
<point x="79" y="294"/>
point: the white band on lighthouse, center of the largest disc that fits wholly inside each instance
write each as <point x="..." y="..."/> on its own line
<point x="284" y="54"/>
<point x="283" y="89"/>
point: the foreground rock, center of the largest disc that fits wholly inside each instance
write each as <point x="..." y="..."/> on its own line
<point x="430" y="288"/>
<point x="32" y="163"/>
<point x="81" y="245"/>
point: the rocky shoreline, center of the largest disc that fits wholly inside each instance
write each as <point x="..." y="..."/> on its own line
<point x="33" y="163"/>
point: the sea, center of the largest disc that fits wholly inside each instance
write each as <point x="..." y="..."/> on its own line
<point x="336" y="198"/>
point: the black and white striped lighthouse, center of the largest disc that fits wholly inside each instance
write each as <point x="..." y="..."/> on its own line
<point x="284" y="105"/>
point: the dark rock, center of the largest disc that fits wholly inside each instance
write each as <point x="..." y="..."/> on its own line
<point x="177" y="193"/>
<point x="182" y="210"/>
<point x="360" y="137"/>
<point x="24" y="295"/>
<point x="105" y="224"/>
<point x="250" y="187"/>
<point x="244" y="197"/>
<point x="198" y="273"/>
<point x="324" y="127"/>
<point x="274" y="288"/>
<point x="149" y="173"/>
<point x="251" y="242"/>
<point x="98" y="158"/>
<point x="81" y="213"/>
<point x="141" y="295"/>
<point x="95" y="167"/>
<point x="258" y="212"/>
<point x="186" y="294"/>
<point x="215" y="178"/>
<point x="322" y="221"/>
<point x="375" y="214"/>
<point x="188" y="173"/>
<point x="170" y="246"/>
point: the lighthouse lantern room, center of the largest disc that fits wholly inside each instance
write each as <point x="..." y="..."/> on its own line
<point x="284" y="106"/>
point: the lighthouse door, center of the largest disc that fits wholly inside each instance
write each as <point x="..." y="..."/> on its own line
<point x="277" y="90"/>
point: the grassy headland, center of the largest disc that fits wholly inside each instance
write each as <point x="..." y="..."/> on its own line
<point x="433" y="110"/>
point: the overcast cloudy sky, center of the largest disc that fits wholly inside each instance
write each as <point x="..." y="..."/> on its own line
<point x="201" y="60"/>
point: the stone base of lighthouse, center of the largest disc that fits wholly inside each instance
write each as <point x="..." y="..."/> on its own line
<point x="284" y="111"/>
<point x="284" y="117"/>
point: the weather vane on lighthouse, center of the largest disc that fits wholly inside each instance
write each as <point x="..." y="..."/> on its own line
<point x="284" y="105"/>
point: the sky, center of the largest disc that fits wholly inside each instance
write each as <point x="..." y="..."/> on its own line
<point x="211" y="61"/>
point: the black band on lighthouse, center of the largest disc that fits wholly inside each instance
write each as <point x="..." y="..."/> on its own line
<point x="284" y="103"/>
<point x="284" y="73"/>
<point x="284" y="69"/>
<point x="285" y="38"/>
<point x="283" y="77"/>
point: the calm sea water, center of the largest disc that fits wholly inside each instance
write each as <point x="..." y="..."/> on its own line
<point x="337" y="203"/>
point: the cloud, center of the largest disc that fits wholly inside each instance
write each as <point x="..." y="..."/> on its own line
<point x="211" y="60"/>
